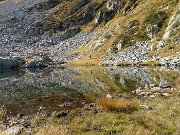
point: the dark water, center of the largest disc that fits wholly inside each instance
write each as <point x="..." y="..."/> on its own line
<point x="58" y="89"/>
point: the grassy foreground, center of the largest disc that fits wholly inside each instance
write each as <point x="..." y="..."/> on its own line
<point x="115" y="116"/>
<point x="147" y="116"/>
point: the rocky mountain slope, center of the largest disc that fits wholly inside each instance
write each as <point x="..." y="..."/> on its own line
<point x="141" y="32"/>
<point x="105" y="32"/>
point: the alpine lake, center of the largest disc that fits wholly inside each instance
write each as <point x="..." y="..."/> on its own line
<point x="28" y="90"/>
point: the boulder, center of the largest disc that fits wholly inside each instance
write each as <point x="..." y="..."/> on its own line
<point x="69" y="33"/>
<point x="31" y="32"/>
<point x="15" y="130"/>
<point x="46" y="27"/>
<point x="88" y="16"/>
<point x="164" y="85"/>
<point x="47" y="5"/>
<point x="6" y="63"/>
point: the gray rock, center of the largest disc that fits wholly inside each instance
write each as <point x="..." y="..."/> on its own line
<point x="6" y="63"/>
<point x="111" y="4"/>
<point x="36" y="31"/>
<point x="46" y="27"/>
<point x="165" y="94"/>
<point x="80" y="4"/>
<point x="164" y="85"/>
<point x="70" y="33"/>
<point x="15" y="130"/>
<point x="31" y="32"/>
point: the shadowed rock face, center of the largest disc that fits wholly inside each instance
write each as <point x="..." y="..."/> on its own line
<point x="46" y="5"/>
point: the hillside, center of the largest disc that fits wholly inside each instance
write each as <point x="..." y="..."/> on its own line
<point x="147" y="33"/>
<point x="91" y="32"/>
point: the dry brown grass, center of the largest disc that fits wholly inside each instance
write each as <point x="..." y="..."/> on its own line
<point x="177" y="83"/>
<point x="2" y="133"/>
<point x="52" y="130"/>
<point x="117" y="104"/>
<point x="2" y="112"/>
<point x="144" y="8"/>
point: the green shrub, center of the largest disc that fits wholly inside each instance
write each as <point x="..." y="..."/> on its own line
<point x="176" y="25"/>
<point x="107" y="36"/>
<point x="156" y="18"/>
<point x="123" y="37"/>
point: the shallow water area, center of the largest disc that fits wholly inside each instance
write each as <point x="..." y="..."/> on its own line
<point x="28" y="90"/>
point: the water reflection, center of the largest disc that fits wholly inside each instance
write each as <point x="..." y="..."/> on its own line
<point x="25" y="91"/>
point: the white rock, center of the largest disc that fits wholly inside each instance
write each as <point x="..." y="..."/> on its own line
<point x="108" y="96"/>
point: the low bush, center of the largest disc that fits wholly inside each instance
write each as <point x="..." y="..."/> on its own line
<point x="107" y="36"/>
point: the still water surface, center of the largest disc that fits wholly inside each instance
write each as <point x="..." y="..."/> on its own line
<point x="57" y="89"/>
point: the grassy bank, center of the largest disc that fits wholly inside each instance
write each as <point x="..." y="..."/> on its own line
<point x="118" y="116"/>
<point x="111" y="116"/>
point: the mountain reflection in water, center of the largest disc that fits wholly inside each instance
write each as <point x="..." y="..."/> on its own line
<point x="27" y="90"/>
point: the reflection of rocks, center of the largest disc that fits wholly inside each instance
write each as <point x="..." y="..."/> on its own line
<point x="142" y="75"/>
<point x="6" y="63"/>
<point x="25" y="86"/>
<point x="154" y="90"/>
<point x="32" y="86"/>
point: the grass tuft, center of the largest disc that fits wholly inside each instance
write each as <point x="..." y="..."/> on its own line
<point x="123" y="105"/>
<point x="51" y="130"/>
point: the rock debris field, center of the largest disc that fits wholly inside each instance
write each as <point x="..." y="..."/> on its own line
<point x="16" y="39"/>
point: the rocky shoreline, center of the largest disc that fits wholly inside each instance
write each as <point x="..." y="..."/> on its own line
<point x="22" y="124"/>
<point x="18" y="41"/>
<point x="137" y="55"/>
